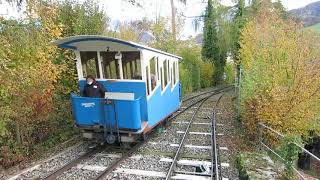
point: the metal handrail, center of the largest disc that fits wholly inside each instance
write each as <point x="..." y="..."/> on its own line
<point x="269" y="128"/>
<point x="282" y="136"/>
<point x="283" y="160"/>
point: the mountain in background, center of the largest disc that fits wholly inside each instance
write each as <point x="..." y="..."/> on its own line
<point x="310" y="14"/>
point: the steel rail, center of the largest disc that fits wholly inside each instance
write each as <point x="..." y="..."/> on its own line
<point x="74" y="162"/>
<point x="217" y="160"/>
<point x="116" y="163"/>
<point x="214" y="149"/>
<point x="206" y="92"/>
<point x="218" y="91"/>
<point x="174" y="162"/>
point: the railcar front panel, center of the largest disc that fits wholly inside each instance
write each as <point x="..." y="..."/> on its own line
<point x="97" y="113"/>
<point x="136" y="87"/>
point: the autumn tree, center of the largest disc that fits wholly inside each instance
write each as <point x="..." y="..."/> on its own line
<point x="76" y="19"/>
<point x="210" y="47"/>
<point x="82" y="18"/>
<point x="239" y="22"/>
<point x="28" y="74"/>
<point x="36" y="78"/>
<point x="281" y="77"/>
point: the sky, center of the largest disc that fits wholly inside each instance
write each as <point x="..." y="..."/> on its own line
<point x="119" y="10"/>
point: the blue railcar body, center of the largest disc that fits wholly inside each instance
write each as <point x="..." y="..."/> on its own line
<point x="137" y="88"/>
<point x="95" y="112"/>
<point x="134" y="106"/>
<point x="158" y="107"/>
<point x="162" y="104"/>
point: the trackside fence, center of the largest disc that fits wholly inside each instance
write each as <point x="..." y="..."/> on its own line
<point x="264" y="130"/>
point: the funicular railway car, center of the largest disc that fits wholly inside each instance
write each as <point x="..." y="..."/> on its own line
<point x="142" y="84"/>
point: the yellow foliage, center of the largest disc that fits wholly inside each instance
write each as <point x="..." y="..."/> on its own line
<point x="281" y="77"/>
<point x="27" y="72"/>
<point x="126" y="32"/>
<point x="206" y="74"/>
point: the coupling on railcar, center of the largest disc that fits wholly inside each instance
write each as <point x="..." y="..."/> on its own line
<point x="127" y="89"/>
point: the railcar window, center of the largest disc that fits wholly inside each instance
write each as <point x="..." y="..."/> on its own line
<point x="161" y="79"/>
<point x="148" y="85"/>
<point x="171" y="73"/>
<point x="110" y="65"/>
<point x="90" y="65"/>
<point x="177" y="71"/>
<point x="158" y="75"/>
<point x="137" y="69"/>
<point x="127" y="71"/>
<point x="131" y="65"/>
<point x="153" y="73"/>
<point x="165" y="70"/>
<point x="174" y="73"/>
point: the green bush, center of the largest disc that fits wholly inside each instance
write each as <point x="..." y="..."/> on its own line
<point x="190" y="68"/>
<point x="36" y="78"/>
<point x="207" y="69"/>
<point x="229" y="70"/>
<point x="194" y="73"/>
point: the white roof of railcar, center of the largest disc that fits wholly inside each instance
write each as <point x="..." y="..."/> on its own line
<point x="78" y="42"/>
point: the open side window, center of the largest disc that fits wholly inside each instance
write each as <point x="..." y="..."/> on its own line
<point x="158" y="69"/>
<point x="110" y="65"/>
<point x="174" y="73"/>
<point x="153" y="72"/>
<point x="90" y="63"/>
<point x="165" y="71"/>
<point x="177" y="71"/>
<point x="131" y="65"/>
<point x="148" y="84"/>
<point x="161" y="78"/>
<point x="172" y="77"/>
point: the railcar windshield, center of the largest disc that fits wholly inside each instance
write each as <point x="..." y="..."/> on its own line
<point x="90" y="66"/>
<point x="126" y="67"/>
<point x="131" y="65"/>
<point x="110" y="65"/>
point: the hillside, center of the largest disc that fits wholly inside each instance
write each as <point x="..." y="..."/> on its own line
<point x="315" y="27"/>
<point x="309" y="14"/>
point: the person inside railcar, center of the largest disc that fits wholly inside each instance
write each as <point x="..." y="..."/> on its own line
<point x="137" y="75"/>
<point x="93" y="88"/>
<point x="153" y="81"/>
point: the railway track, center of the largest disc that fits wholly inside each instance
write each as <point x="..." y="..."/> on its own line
<point x="207" y="171"/>
<point x="110" y="157"/>
<point x="182" y="144"/>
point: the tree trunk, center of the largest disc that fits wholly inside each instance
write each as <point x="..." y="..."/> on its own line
<point x="173" y="20"/>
